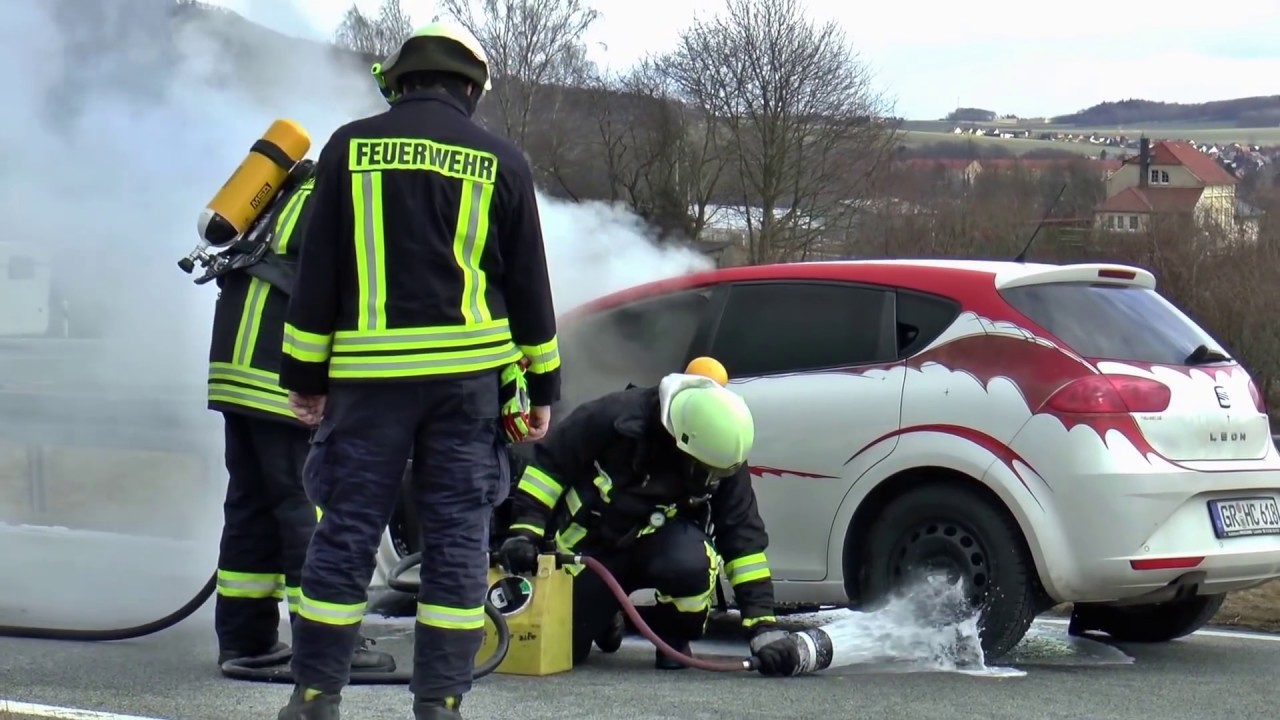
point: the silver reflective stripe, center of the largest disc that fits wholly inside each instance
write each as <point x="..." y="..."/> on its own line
<point x="370" y="248"/>
<point x="303" y="345"/>
<point x="542" y="358"/>
<point x="540" y="484"/>
<point x="440" y="616"/>
<point x="741" y="570"/>
<point x="262" y="586"/>
<point x="368" y="364"/>
<point x="337" y="616"/>
<point x="478" y="335"/>
<point x="257" y="296"/>
<point x="474" y="297"/>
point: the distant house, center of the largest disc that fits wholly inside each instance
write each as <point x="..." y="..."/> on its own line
<point x="1174" y="179"/>
<point x="956" y="169"/>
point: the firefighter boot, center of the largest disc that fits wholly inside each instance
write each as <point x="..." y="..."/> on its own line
<point x="366" y="660"/>
<point x="311" y="705"/>
<point x="610" y="639"/>
<point x="437" y="708"/>
<point x="272" y="655"/>
<point x="667" y="624"/>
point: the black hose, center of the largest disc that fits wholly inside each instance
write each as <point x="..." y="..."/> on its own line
<point x="116" y="634"/>
<point x="275" y="668"/>
<point x="272" y="668"/>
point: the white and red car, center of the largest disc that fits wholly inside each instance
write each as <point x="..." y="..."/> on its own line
<point x="1048" y="433"/>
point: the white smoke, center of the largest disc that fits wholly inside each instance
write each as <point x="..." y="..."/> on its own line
<point x="122" y="118"/>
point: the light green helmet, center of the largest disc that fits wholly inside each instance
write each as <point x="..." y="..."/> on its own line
<point x="713" y="425"/>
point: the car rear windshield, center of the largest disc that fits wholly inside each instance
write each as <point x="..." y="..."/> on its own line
<point x="1114" y="322"/>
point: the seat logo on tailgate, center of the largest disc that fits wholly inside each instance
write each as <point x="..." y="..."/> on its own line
<point x="1224" y="400"/>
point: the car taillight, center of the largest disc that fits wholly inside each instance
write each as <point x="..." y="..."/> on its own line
<point x="1258" y="401"/>
<point x="1111" y="394"/>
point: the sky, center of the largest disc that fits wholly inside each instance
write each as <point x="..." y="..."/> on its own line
<point x="929" y="55"/>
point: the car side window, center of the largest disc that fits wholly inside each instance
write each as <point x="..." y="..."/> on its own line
<point x="921" y="319"/>
<point x="783" y="327"/>
<point x="637" y="343"/>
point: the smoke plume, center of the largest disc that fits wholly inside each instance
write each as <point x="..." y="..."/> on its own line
<point x="123" y="117"/>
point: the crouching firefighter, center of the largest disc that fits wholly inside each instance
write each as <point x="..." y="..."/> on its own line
<point x="268" y="520"/>
<point x="636" y="479"/>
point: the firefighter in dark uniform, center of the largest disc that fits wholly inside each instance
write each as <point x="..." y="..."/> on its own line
<point x="267" y="517"/>
<point x="636" y="478"/>
<point x="423" y="277"/>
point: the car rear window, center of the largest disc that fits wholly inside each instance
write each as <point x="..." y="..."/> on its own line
<point x="1114" y="322"/>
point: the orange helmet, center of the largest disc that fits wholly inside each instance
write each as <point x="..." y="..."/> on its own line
<point x="708" y="367"/>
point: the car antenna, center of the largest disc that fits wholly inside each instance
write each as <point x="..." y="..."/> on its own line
<point x="1022" y="256"/>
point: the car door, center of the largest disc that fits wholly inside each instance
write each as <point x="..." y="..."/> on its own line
<point x="638" y="342"/>
<point x="815" y="362"/>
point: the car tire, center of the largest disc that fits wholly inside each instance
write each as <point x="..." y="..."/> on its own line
<point x="954" y="528"/>
<point x="1150" y="623"/>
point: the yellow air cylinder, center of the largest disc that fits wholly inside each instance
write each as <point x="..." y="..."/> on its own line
<point x="708" y="367"/>
<point x="250" y="189"/>
<point x="540" y="616"/>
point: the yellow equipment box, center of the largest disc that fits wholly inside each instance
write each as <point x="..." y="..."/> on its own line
<point x="539" y="612"/>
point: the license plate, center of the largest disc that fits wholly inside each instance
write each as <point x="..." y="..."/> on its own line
<point x="1245" y="516"/>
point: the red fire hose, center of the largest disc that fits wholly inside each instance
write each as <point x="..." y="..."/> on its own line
<point x="624" y="599"/>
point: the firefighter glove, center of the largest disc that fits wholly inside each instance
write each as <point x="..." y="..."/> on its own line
<point x="519" y="555"/>
<point x="515" y="404"/>
<point x="777" y="655"/>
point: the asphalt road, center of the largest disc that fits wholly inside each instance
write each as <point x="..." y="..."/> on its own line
<point x="50" y="576"/>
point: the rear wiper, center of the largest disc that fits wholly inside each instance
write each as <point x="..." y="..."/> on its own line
<point x="1204" y="354"/>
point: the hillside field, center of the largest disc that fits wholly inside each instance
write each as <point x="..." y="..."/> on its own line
<point x="915" y="138"/>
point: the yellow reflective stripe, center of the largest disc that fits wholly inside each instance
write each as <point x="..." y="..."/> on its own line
<point x="748" y="568"/>
<point x="250" y="321"/>
<point x="691" y="604"/>
<point x="569" y="537"/>
<point x="254" y="586"/>
<point x="319" y="513"/>
<point x="542" y="358"/>
<point x="427" y="338"/>
<point x="327" y="613"/>
<point x="702" y="601"/>
<point x="540" y="485"/>
<point x="245" y="375"/>
<point x="288" y="219"/>
<point x="305" y="346"/>
<point x="749" y="622"/>
<point x="272" y="402"/>
<point x="527" y="527"/>
<point x="451" y="618"/>
<point x="604" y="485"/>
<point x="469" y="239"/>
<point x="294" y="596"/>
<point x="573" y="501"/>
<point x="371" y="266"/>
<point x="393" y="366"/>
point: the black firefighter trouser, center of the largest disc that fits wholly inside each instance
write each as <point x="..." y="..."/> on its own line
<point x="677" y="560"/>
<point x="267" y="521"/>
<point x="354" y="474"/>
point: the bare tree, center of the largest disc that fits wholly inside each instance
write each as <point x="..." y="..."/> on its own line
<point x="660" y="156"/>
<point x="378" y="35"/>
<point x="535" y="50"/>
<point x="806" y="129"/>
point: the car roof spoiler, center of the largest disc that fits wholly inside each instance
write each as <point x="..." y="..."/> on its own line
<point x="1083" y="272"/>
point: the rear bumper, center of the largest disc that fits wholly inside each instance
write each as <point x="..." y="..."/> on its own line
<point x="1106" y="521"/>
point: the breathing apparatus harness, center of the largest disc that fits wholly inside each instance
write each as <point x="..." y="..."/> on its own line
<point x="251" y="251"/>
